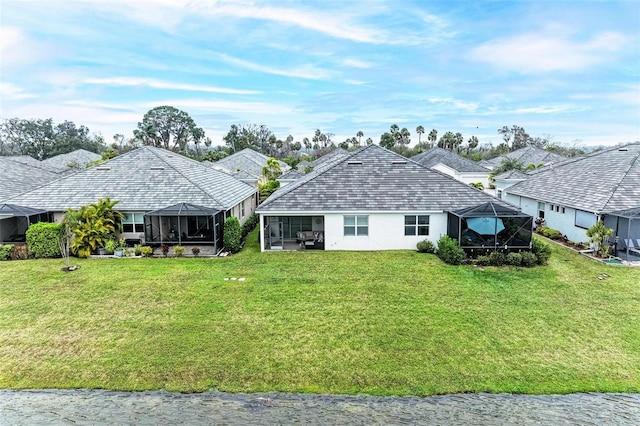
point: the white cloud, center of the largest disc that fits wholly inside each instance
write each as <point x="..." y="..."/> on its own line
<point x="466" y="106"/>
<point x="214" y="106"/>
<point x="542" y="110"/>
<point x="159" y="84"/>
<point x="10" y="91"/>
<point x="530" y="53"/>
<point x="305" y="72"/>
<point x="356" y="63"/>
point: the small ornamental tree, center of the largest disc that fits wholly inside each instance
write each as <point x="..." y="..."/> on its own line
<point x="93" y="225"/>
<point x="42" y="239"/>
<point x="598" y="236"/>
<point x="232" y="236"/>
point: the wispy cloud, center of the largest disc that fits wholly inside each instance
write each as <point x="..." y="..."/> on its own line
<point x="10" y="91"/>
<point x="305" y="72"/>
<point x="533" y="52"/>
<point x="159" y="84"/>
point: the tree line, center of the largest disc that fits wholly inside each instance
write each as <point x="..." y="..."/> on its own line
<point x="174" y="129"/>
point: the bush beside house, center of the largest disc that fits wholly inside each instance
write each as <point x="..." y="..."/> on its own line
<point x="42" y="239"/>
<point x="232" y="236"/>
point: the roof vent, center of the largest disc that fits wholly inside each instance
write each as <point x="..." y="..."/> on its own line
<point x="623" y="150"/>
<point x="354" y="162"/>
<point x="399" y="162"/>
<point x="157" y="168"/>
<point x="103" y="168"/>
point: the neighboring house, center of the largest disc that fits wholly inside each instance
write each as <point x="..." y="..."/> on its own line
<point x="526" y="156"/>
<point x="78" y="159"/>
<point x="507" y="179"/>
<point x="375" y="199"/>
<point x="246" y="165"/>
<point x="572" y="196"/>
<point x="23" y="173"/>
<point x="290" y="176"/>
<point x="167" y="198"/>
<point x="454" y="165"/>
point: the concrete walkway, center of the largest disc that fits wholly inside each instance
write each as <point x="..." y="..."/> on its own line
<point x="53" y="407"/>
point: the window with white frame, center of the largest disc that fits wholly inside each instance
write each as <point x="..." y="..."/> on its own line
<point x="242" y="209"/>
<point x="133" y="222"/>
<point x="416" y="225"/>
<point x="355" y="225"/>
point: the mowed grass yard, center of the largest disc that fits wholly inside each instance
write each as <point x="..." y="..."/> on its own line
<point x="383" y="323"/>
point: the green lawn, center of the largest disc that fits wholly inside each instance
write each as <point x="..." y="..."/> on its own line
<point x="384" y="323"/>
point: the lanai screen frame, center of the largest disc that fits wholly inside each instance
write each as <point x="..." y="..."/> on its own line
<point x="517" y="234"/>
<point x="182" y="210"/>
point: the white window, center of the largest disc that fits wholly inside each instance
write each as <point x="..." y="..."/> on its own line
<point x="356" y="226"/>
<point x="133" y="222"/>
<point x="416" y="225"/>
<point x="585" y="219"/>
<point x="242" y="209"/>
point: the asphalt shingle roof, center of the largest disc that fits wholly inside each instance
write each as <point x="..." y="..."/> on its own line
<point x="18" y="175"/>
<point x="79" y="158"/>
<point x="528" y="155"/>
<point x="602" y="182"/>
<point x="247" y="161"/>
<point x="450" y="159"/>
<point x="375" y="179"/>
<point x="144" y="179"/>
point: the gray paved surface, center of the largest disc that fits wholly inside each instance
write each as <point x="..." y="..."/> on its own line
<point x="54" y="407"/>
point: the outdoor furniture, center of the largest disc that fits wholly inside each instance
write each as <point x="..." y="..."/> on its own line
<point x="631" y="248"/>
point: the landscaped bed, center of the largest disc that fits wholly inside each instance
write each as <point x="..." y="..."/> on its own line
<point x="385" y="323"/>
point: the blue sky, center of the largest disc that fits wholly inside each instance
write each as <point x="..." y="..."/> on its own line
<point x="568" y="70"/>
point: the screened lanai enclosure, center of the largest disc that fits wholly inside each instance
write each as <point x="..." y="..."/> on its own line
<point x="184" y="224"/>
<point x="491" y="226"/>
<point x="625" y="241"/>
<point x="15" y="220"/>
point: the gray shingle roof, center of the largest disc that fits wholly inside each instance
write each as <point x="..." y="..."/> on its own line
<point x="247" y="161"/>
<point x="528" y="155"/>
<point x="602" y="182"/>
<point x="512" y="174"/>
<point x="18" y="175"/>
<point x="80" y="158"/>
<point x="375" y="179"/>
<point x="330" y="157"/>
<point x="144" y="179"/>
<point x="450" y="159"/>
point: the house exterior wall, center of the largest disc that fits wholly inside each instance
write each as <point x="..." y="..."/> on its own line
<point x="462" y="176"/>
<point x="386" y="231"/>
<point x="561" y="218"/>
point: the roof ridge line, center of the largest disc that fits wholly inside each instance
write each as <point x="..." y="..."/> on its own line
<point x="294" y="185"/>
<point x="197" y="185"/>
<point x="626" y="173"/>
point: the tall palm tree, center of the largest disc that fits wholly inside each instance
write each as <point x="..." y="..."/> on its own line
<point x="433" y="136"/>
<point x="419" y="131"/>
<point x="360" y="134"/>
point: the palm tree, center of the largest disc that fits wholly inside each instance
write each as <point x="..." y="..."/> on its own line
<point x="307" y="144"/>
<point x="419" y="131"/>
<point x="433" y="136"/>
<point x="360" y="134"/>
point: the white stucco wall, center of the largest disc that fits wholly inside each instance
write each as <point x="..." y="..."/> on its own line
<point x="463" y="176"/>
<point x="386" y="231"/>
<point x="563" y="222"/>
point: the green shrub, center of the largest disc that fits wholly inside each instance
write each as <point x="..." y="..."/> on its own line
<point x="250" y="224"/>
<point x="497" y="258"/>
<point x="550" y="233"/>
<point x="482" y="260"/>
<point x="146" y="251"/>
<point x="178" y="250"/>
<point x="137" y="249"/>
<point x="110" y="246"/>
<point x="528" y="259"/>
<point x="5" y="251"/>
<point x="93" y="225"/>
<point x="449" y="251"/>
<point x="42" y="239"/>
<point x="514" y="259"/>
<point x="425" y="246"/>
<point x="541" y="250"/>
<point x="232" y="234"/>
